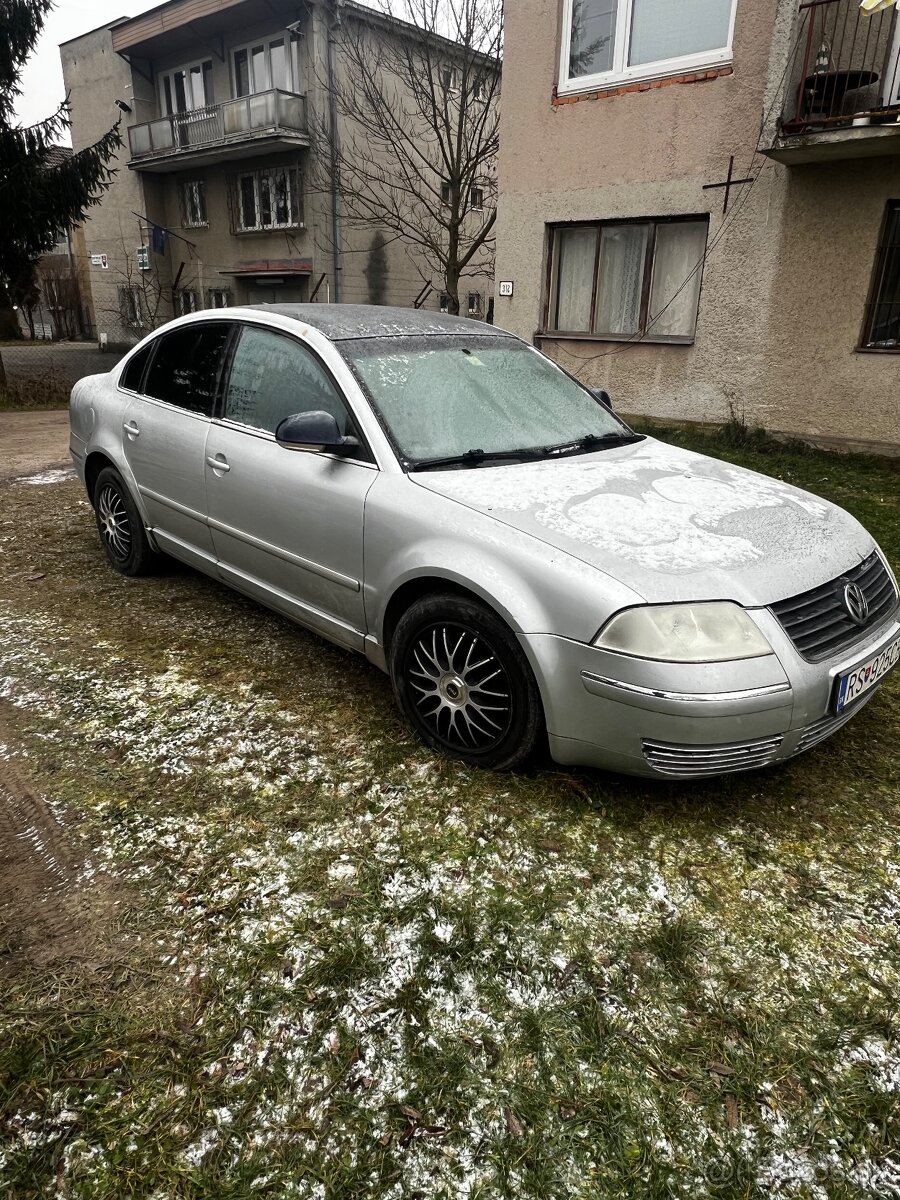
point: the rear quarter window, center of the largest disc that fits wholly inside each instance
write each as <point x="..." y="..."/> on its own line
<point x="134" y="371"/>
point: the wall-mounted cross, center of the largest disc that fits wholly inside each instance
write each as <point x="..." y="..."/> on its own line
<point x="728" y="183"/>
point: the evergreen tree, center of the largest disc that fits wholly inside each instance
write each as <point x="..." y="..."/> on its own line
<point x="40" y="195"/>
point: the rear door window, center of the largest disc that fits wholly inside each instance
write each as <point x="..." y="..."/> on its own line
<point x="187" y="365"/>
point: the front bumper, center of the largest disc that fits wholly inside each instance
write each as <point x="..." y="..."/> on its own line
<point x="686" y="721"/>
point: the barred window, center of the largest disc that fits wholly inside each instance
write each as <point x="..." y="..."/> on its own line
<point x="131" y="308"/>
<point x="193" y="204"/>
<point x="218" y="298"/>
<point x="186" y="301"/>
<point x="881" y="330"/>
<point x="268" y="199"/>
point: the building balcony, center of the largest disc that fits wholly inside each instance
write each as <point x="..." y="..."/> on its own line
<point x="258" y="124"/>
<point x="842" y="89"/>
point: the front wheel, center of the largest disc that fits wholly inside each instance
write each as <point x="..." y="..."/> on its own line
<point x="120" y="526"/>
<point x="462" y="680"/>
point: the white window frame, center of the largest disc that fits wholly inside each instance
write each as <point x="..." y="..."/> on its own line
<point x="292" y="52"/>
<point x="208" y="101"/>
<point x="621" y="72"/>
<point x="479" y="188"/>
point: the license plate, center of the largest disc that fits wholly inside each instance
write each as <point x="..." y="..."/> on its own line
<point x="853" y="684"/>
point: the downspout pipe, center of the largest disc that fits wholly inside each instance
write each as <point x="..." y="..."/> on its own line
<point x="333" y="23"/>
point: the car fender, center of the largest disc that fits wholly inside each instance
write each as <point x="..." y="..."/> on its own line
<point x="412" y="534"/>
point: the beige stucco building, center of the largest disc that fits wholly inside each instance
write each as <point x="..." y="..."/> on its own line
<point x="222" y="192"/>
<point x="617" y="116"/>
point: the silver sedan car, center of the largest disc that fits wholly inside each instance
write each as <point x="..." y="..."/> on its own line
<point x="439" y="496"/>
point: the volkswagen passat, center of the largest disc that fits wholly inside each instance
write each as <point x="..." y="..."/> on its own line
<point x="439" y="496"/>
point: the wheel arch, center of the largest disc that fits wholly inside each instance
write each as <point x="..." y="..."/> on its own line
<point x="93" y="465"/>
<point x="420" y="586"/>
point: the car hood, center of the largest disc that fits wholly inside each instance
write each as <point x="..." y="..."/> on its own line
<point x="669" y="523"/>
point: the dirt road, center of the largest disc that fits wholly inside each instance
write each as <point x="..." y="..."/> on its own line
<point x="33" y="441"/>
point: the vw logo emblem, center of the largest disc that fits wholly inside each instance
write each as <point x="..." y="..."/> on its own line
<point x="856" y="604"/>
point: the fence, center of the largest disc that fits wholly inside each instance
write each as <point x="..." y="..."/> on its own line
<point x="40" y="373"/>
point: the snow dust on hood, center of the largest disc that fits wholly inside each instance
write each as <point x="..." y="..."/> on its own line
<point x="671" y="524"/>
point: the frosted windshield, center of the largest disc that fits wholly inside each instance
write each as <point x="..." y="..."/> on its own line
<point x="447" y="396"/>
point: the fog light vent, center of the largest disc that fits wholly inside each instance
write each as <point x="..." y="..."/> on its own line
<point x="711" y="760"/>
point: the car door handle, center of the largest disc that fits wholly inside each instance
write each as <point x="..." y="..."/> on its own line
<point x="131" y="429"/>
<point x="217" y="464"/>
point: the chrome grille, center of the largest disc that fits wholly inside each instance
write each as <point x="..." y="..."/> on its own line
<point x="818" y="623"/>
<point x="673" y="759"/>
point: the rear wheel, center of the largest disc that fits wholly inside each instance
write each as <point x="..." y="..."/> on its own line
<point x="461" y="679"/>
<point x="120" y="526"/>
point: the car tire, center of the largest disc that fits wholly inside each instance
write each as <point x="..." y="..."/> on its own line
<point x="461" y="679"/>
<point x="120" y="526"/>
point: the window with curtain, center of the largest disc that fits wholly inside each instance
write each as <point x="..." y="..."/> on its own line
<point x="610" y="40"/>
<point x="624" y="279"/>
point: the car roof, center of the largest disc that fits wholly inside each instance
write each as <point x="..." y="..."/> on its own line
<point x="340" y="322"/>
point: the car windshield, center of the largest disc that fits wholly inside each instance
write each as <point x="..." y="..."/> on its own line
<point x="476" y="398"/>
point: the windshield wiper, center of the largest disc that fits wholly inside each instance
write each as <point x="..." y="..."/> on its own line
<point x="593" y="441"/>
<point x="475" y="458"/>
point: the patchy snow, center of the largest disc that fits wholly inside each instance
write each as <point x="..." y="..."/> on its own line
<point x="397" y="928"/>
<point x="45" y="478"/>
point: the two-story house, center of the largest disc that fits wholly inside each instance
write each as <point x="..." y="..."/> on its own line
<point x="700" y="206"/>
<point x="218" y="199"/>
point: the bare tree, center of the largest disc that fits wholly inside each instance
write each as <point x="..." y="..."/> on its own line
<point x="412" y="137"/>
<point x="143" y="298"/>
<point x="61" y="296"/>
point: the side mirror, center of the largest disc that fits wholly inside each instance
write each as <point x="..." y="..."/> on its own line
<point x="316" y="432"/>
<point x="603" y="396"/>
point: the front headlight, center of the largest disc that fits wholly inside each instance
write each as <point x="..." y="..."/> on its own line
<point x="715" y="631"/>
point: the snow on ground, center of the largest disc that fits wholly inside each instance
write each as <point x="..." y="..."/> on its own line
<point x="401" y="972"/>
<point x="45" y="478"/>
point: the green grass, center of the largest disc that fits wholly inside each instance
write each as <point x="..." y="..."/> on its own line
<point x="336" y="965"/>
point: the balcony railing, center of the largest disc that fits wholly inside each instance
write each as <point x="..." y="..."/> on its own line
<point x="220" y="124"/>
<point x="845" y="69"/>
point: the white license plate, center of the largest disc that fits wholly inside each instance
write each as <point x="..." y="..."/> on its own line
<point x="853" y="684"/>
